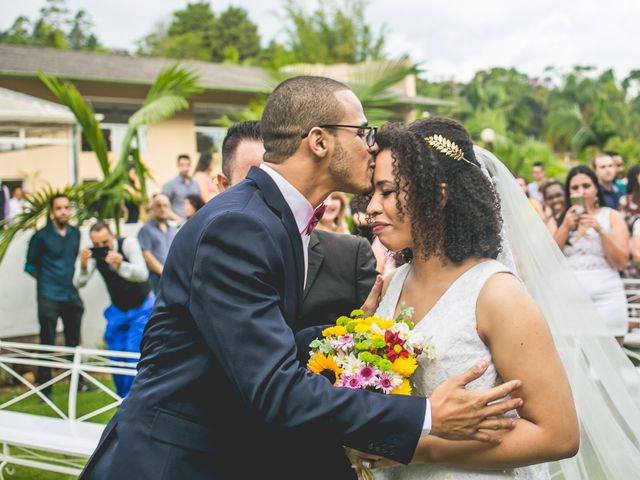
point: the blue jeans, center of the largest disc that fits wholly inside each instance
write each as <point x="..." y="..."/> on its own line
<point x="124" y="333"/>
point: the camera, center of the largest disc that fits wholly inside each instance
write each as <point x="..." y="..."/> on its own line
<point x="99" y="253"/>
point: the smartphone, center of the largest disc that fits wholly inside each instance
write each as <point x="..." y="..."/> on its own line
<point x="579" y="201"/>
<point x="99" y="253"/>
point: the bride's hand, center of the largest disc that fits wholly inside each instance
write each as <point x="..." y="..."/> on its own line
<point x="361" y="462"/>
<point x="370" y="305"/>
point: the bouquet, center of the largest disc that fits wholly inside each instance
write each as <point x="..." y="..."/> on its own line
<point x="370" y="353"/>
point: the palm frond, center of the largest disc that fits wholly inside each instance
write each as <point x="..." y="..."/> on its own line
<point x="174" y="81"/>
<point x="69" y="96"/>
<point x="158" y="110"/>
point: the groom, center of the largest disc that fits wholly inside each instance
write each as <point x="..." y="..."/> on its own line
<point x="220" y="392"/>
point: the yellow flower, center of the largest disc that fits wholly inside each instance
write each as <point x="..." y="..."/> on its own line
<point x="405" y="366"/>
<point x="404" y="389"/>
<point x="362" y="328"/>
<point x="325" y="366"/>
<point x="383" y="324"/>
<point x="334" y="331"/>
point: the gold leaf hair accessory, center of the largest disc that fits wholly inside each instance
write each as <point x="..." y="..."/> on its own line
<point x="447" y="147"/>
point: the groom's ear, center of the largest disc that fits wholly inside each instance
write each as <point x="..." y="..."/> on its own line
<point x="318" y="142"/>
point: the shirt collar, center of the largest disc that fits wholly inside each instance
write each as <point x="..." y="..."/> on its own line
<point x="299" y="205"/>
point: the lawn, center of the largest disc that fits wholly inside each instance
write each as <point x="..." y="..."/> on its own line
<point x="86" y="402"/>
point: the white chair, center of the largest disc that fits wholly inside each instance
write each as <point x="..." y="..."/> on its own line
<point x="37" y="441"/>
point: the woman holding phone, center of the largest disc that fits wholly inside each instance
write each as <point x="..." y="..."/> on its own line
<point x="595" y="241"/>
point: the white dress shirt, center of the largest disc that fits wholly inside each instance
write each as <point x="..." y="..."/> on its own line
<point x="303" y="211"/>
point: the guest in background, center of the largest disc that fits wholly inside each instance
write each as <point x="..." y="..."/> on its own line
<point x="51" y="260"/>
<point x="606" y="172"/>
<point x="534" y="204"/>
<point x="192" y="203"/>
<point x="122" y="267"/>
<point x="202" y="177"/>
<point x="553" y="207"/>
<point x="242" y="149"/>
<point x="132" y="203"/>
<point x="4" y="204"/>
<point x="16" y="203"/>
<point x="334" y="218"/>
<point x="629" y="207"/>
<point x="595" y="240"/>
<point x="179" y="187"/>
<point x="538" y="172"/>
<point x="619" y="164"/>
<point x="155" y="238"/>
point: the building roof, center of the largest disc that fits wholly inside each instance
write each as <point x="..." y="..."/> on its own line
<point x="108" y="67"/>
<point x="20" y="109"/>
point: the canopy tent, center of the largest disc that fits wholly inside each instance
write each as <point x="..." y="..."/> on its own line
<point x="27" y="121"/>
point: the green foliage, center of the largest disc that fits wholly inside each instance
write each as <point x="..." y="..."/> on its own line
<point x="196" y="32"/>
<point x="56" y="27"/>
<point x="331" y="33"/>
<point x="564" y="115"/>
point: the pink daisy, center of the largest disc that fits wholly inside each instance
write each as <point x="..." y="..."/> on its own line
<point x="351" y="381"/>
<point x="385" y="382"/>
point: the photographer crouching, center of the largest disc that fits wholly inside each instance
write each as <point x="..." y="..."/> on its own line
<point x="122" y="266"/>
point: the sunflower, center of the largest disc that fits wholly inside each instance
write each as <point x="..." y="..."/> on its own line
<point x="325" y="366"/>
<point x="404" y="389"/>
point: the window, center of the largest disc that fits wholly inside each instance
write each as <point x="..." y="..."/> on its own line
<point x="114" y="134"/>
<point x="209" y="139"/>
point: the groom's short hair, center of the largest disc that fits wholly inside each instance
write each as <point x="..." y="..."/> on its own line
<point x="296" y="106"/>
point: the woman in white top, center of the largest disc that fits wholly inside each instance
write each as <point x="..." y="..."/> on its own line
<point x="595" y="241"/>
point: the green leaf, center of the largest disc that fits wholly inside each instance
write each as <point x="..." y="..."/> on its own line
<point x="69" y="96"/>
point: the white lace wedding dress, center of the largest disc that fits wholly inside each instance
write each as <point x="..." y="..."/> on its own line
<point x="451" y="324"/>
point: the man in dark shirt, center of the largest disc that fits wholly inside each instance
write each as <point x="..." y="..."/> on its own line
<point x="606" y="172"/>
<point x="51" y="261"/>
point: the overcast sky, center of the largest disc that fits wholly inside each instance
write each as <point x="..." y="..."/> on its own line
<point x="450" y="38"/>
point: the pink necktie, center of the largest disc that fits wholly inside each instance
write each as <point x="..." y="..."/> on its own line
<point x="315" y="218"/>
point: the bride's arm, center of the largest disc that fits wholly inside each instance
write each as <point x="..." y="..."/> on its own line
<point x="515" y="331"/>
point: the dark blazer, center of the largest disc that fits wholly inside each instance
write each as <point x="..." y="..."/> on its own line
<point x="341" y="273"/>
<point x="220" y="392"/>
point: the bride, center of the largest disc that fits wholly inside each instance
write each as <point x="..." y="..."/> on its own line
<point x="431" y="197"/>
<point x="434" y="196"/>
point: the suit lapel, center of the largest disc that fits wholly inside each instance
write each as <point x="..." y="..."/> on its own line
<point x="274" y="199"/>
<point x="316" y="257"/>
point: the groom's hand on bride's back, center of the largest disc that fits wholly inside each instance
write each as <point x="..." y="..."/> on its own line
<point x="461" y="414"/>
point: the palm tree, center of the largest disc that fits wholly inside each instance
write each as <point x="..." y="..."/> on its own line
<point x="105" y="199"/>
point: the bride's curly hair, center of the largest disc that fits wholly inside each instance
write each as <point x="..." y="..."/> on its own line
<point x="463" y="223"/>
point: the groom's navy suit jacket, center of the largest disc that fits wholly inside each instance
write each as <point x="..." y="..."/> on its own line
<point x="220" y="392"/>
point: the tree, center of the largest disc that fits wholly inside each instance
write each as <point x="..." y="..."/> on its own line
<point x="331" y="34"/>
<point x="195" y="32"/>
<point x="80" y="36"/>
<point x="53" y="28"/>
<point x="105" y="199"/>
<point x="188" y="35"/>
<point x="234" y="31"/>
